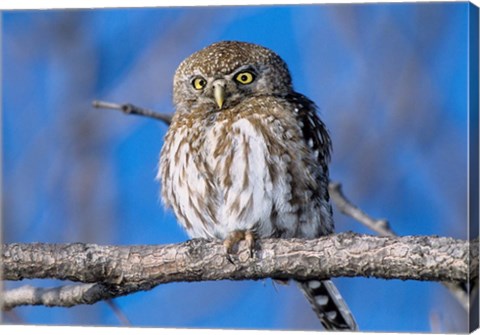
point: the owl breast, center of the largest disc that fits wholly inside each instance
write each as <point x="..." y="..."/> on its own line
<point x="245" y="168"/>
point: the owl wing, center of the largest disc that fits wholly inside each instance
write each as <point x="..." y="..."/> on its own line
<point x="315" y="135"/>
<point x="326" y="301"/>
<point x="312" y="127"/>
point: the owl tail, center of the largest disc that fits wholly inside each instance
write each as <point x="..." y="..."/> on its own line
<point x="328" y="304"/>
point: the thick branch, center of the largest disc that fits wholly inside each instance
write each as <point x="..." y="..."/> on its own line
<point x="114" y="271"/>
<point x="412" y="257"/>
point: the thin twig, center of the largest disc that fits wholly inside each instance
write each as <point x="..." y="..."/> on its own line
<point x="132" y="109"/>
<point x="435" y="324"/>
<point x="118" y="313"/>
<point x="13" y="317"/>
<point x="459" y="293"/>
<point x="380" y="226"/>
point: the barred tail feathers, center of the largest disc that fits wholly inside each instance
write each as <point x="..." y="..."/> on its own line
<point x="328" y="304"/>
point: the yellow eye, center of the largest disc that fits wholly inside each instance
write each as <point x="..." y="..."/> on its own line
<point x="199" y="83"/>
<point x="245" y="77"/>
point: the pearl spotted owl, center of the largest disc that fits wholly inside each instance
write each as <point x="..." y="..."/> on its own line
<point x="247" y="157"/>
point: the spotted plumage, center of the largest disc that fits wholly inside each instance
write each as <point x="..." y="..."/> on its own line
<point x="246" y="156"/>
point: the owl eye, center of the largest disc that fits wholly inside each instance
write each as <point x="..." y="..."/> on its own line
<point x="245" y="77"/>
<point x="199" y="83"/>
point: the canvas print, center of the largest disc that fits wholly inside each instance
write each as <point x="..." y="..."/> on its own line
<point x="294" y="167"/>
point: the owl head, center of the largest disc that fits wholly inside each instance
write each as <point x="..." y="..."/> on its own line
<point x="223" y="74"/>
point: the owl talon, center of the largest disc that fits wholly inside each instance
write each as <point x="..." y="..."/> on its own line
<point x="237" y="236"/>
<point x="229" y="259"/>
<point x="232" y="239"/>
<point x="250" y="239"/>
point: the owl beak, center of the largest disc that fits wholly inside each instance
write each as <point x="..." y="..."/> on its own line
<point x="219" y="92"/>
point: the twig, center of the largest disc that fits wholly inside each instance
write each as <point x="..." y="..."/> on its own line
<point x="13" y="317"/>
<point x="118" y="313"/>
<point x="459" y="293"/>
<point x="132" y="109"/>
<point x="380" y="226"/>
<point x="435" y="324"/>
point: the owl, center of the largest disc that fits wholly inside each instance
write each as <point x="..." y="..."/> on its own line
<point x="246" y="157"/>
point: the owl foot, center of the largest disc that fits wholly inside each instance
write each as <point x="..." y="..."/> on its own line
<point x="236" y="236"/>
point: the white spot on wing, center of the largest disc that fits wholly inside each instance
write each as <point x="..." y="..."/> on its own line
<point x="310" y="142"/>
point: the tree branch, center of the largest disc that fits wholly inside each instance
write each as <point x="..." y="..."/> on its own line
<point x="63" y="296"/>
<point x="380" y="226"/>
<point x="132" y="109"/>
<point x="118" y="270"/>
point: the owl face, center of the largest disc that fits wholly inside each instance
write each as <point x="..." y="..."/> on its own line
<point x="223" y="74"/>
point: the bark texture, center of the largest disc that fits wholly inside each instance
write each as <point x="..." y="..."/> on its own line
<point x="411" y="257"/>
<point x="112" y="271"/>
